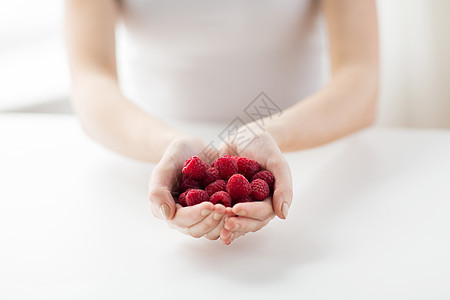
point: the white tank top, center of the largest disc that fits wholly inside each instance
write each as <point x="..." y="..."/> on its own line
<point x="207" y="60"/>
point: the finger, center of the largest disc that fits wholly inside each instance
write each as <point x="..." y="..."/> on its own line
<point x="230" y="211"/>
<point x="209" y="154"/>
<point x="242" y="224"/>
<point x="160" y="187"/>
<point x="282" y="195"/>
<point x="162" y="203"/>
<point x="209" y="223"/>
<point x="259" y="210"/>
<point x="236" y="235"/>
<point x="228" y="240"/>
<point x="190" y="215"/>
<point x="166" y="171"/>
<point x="215" y="233"/>
<point x="225" y="234"/>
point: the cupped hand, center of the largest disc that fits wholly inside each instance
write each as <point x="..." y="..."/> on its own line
<point x="252" y="216"/>
<point x="204" y="219"/>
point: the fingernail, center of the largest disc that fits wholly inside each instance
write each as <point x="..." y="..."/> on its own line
<point x="285" y="209"/>
<point x="241" y="213"/>
<point x="165" y="211"/>
<point x="217" y="216"/>
<point x="205" y="212"/>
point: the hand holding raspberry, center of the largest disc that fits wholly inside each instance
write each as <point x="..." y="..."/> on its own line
<point x="199" y="183"/>
<point x="203" y="218"/>
<point x="252" y="216"/>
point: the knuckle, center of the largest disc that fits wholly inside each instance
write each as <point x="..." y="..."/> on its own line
<point x="207" y="224"/>
<point x="151" y="194"/>
<point x="154" y="194"/>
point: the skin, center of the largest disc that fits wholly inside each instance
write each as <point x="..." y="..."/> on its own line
<point x="204" y="219"/>
<point x="251" y="217"/>
<point x="346" y="104"/>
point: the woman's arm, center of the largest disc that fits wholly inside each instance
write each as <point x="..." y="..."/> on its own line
<point x="105" y="114"/>
<point x="348" y="102"/>
<point x="115" y="122"/>
<point x="345" y="105"/>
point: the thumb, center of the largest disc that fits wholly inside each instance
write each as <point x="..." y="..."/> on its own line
<point x="282" y="195"/>
<point x="162" y="204"/>
<point x="159" y="193"/>
<point x="165" y="176"/>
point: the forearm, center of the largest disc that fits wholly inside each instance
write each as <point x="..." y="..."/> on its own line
<point x="109" y="118"/>
<point x="346" y="104"/>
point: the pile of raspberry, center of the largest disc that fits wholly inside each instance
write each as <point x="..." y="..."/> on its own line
<point x="229" y="180"/>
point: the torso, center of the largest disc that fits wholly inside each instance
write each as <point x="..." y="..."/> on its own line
<point x="208" y="59"/>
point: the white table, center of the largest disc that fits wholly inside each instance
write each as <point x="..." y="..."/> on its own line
<point x="370" y="220"/>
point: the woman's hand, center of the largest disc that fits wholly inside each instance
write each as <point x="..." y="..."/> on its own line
<point x="204" y="219"/>
<point x="253" y="216"/>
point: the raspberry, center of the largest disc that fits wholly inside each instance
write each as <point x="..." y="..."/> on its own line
<point x="195" y="168"/>
<point x="221" y="197"/>
<point x="267" y="177"/>
<point x="228" y="156"/>
<point x="248" y="167"/>
<point x="196" y="196"/>
<point x="238" y="187"/>
<point x="242" y="200"/>
<point x="182" y="199"/>
<point x="216" y="186"/>
<point x="212" y="174"/>
<point x="260" y="190"/>
<point x="189" y="183"/>
<point x="229" y="180"/>
<point x="227" y="166"/>
<point x="232" y="157"/>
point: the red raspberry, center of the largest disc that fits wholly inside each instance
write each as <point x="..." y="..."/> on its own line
<point x="267" y="177"/>
<point x="260" y="190"/>
<point x="248" y="167"/>
<point x="196" y="196"/>
<point x="238" y="187"/>
<point x="212" y="174"/>
<point x="189" y="183"/>
<point x="195" y="168"/>
<point x="227" y="166"/>
<point x="182" y="199"/>
<point x="221" y="197"/>
<point x="227" y="156"/>
<point x="216" y="186"/>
